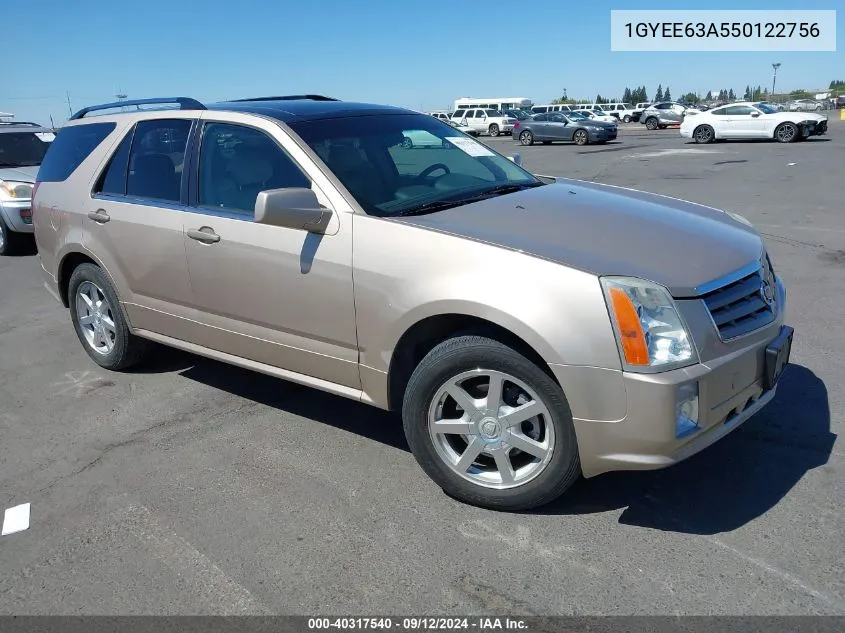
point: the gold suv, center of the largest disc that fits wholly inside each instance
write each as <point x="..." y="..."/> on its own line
<point x="530" y="330"/>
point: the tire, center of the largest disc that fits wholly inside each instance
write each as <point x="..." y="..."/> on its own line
<point x="493" y="130"/>
<point x="11" y="242"/>
<point x="626" y="118"/>
<point x="704" y="134"/>
<point x="537" y="481"/>
<point x="787" y="133"/>
<point x="126" y="349"/>
<point x="651" y="123"/>
<point x="526" y="137"/>
<point x="581" y="137"/>
<point x="407" y="143"/>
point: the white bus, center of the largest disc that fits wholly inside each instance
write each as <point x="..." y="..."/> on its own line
<point x="494" y="103"/>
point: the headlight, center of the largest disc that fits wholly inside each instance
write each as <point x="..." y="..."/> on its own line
<point x="12" y="190"/>
<point x="650" y="332"/>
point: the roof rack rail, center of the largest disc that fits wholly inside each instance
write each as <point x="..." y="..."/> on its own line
<point x="288" y="98"/>
<point x="185" y="103"/>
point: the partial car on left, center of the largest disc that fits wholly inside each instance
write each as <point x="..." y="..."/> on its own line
<point x="22" y="147"/>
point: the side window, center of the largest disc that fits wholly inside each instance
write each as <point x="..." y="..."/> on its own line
<point x="73" y="145"/>
<point x="237" y="163"/>
<point x="156" y="158"/>
<point x="541" y="117"/>
<point x="539" y="109"/>
<point x="739" y="110"/>
<point x="113" y="180"/>
<point x="719" y="111"/>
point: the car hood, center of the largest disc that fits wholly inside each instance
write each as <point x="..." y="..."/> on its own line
<point x="607" y="230"/>
<point x="800" y="116"/>
<point x="21" y="174"/>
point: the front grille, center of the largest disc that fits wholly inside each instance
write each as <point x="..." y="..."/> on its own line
<point x="742" y="307"/>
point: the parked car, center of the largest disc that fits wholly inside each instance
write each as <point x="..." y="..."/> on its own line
<point x="751" y="120"/>
<point x="804" y="105"/>
<point x="597" y="115"/>
<point x="622" y="111"/>
<point x="22" y="147"/>
<point x="463" y="127"/>
<point x="661" y="115"/>
<point x="314" y="248"/>
<point x="443" y="115"/>
<point x="422" y="138"/>
<point x="490" y="122"/>
<point x="519" y="115"/>
<point x="639" y="109"/>
<point x="560" y="126"/>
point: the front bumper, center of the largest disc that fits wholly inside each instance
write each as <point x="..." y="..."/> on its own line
<point x="603" y="135"/>
<point x="18" y="215"/>
<point x="628" y="421"/>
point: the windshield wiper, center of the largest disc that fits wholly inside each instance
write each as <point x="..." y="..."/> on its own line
<point x="440" y="205"/>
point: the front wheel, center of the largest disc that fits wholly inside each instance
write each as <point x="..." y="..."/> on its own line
<point x="580" y="137"/>
<point x="490" y="426"/>
<point x="786" y="133"/>
<point x="526" y="137"/>
<point x="407" y="143"/>
<point x="493" y="130"/>
<point x="11" y="243"/>
<point x="627" y="118"/>
<point x="651" y="123"/>
<point x="704" y="134"/>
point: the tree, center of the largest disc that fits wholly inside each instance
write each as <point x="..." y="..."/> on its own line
<point x="748" y="96"/>
<point x="731" y="95"/>
<point x="627" y="95"/>
<point x="708" y="96"/>
<point x="690" y="97"/>
<point x="667" y="96"/>
<point x="723" y="95"/>
<point x="837" y="83"/>
<point x="658" y="96"/>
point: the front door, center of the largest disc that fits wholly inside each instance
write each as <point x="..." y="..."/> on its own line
<point x="739" y="122"/>
<point x="133" y="223"/>
<point x="278" y="296"/>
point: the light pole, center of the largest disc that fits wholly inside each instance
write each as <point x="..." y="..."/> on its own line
<point x="774" y="78"/>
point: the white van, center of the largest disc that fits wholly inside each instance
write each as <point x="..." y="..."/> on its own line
<point x="622" y="111"/>
<point x="494" y="103"/>
<point x="550" y="107"/>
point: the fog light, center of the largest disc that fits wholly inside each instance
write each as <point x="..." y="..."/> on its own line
<point x="686" y="410"/>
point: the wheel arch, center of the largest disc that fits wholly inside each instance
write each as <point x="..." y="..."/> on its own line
<point x="427" y="332"/>
<point x="68" y="262"/>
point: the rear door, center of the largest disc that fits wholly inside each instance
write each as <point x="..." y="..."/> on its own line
<point x="133" y="225"/>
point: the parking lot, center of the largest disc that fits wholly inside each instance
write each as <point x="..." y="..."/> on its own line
<point x="193" y="487"/>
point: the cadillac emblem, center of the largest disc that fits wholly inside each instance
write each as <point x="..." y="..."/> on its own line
<point x="767" y="287"/>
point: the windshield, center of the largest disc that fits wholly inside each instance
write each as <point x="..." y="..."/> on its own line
<point x="23" y="149"/>
<point x="399" y="164"/>
<point x="520" y="115"/>
<point x="765" y="107"/>
<point x="576" y="116"/>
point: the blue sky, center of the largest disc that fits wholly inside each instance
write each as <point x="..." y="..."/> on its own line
<point x="416" y="54"/>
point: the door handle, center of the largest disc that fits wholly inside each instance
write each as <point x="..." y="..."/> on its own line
<point x="100" y="216"/>
<point x="209" y="236"/>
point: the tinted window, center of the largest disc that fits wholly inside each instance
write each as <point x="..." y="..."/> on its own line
<point x="719" y="111"/>
<point x="72" y="146"/>
<point x="539" y="108"/>
<point x="113" y="180"/>
<point x="493" y="113"/>
<point x="239" y="162"/>
<point x="156" y="159"/>
<point x="541" y="117"/>
<point x="739" y="110"/>
<point x="22" y="149"/>
<point x="557" y="118"/>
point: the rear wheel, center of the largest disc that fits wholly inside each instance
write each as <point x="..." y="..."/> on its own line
<point x="407" y="143"/>
<point x="526" y="137"/>
<point x="99" y="321"/>
<point x="786" y="133"/>
<point x="493" y="130"/>
<point x="627" y="118"/>
<point x="704" y="134"/>
<point x="489" y="426"/>
<point x="651" y="123"/>
<point x="580" y="137"/>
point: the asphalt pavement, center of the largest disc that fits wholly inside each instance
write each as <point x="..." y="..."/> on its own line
<point x="191" y="487"/>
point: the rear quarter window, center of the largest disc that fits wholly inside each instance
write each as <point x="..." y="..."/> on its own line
<point x="72" y="146"/>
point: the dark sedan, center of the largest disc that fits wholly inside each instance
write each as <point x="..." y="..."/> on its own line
<point x="557" y="126"/>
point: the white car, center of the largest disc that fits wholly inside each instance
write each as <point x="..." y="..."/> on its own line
<point x="485" y="121"/>
<point x="598" y="115"/>
<point x="421" y="138"/>
<point x="752" y="120"/>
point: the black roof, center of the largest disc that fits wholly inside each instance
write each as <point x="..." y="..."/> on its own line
<point x="306" y="109"/>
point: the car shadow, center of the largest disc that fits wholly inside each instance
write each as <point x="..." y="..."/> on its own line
<point x="724" y="487"/>
<point x="342" y="413"/>
<point x="729" y="484"/>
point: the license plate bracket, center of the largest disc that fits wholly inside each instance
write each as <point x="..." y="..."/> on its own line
<point x="777" y="357"/>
